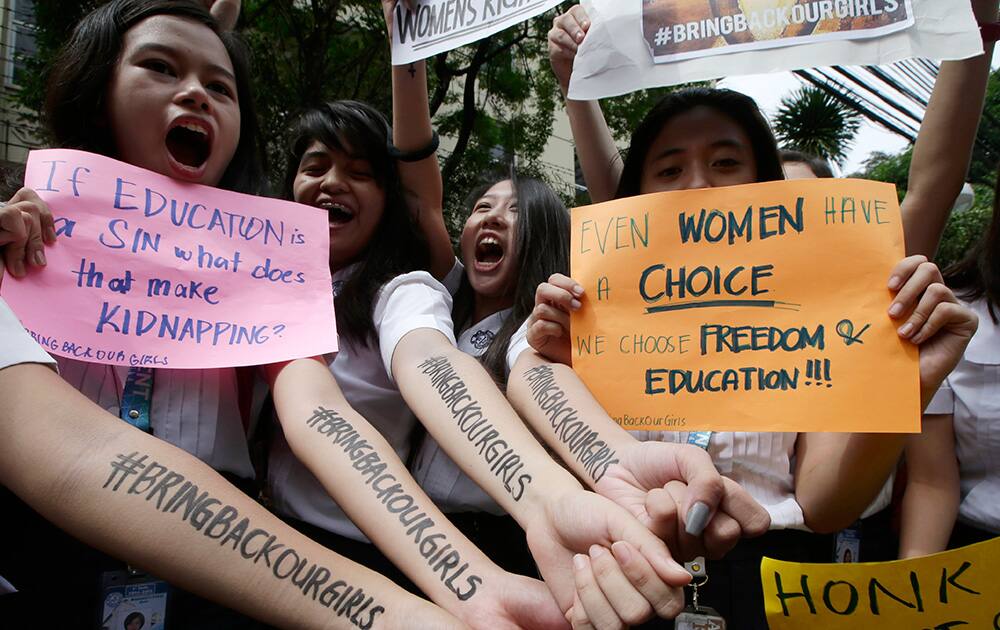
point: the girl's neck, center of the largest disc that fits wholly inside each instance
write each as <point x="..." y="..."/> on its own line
<point x="485" y="306"/>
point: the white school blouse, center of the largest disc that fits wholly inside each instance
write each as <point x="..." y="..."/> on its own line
<point x="763" y="463"/>
<point x="971" y="393"/>
<point x="407" y="303"/>
<point x="439" y="476"/>
<point x="16" y="345"/>
<point x="195" y="410"/>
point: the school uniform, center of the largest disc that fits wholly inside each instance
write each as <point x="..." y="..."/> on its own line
<point x="17" y="345"/>
<point x="409" y="302"/>
<point x="467" y="505"/>
<point x="971" y="394"/>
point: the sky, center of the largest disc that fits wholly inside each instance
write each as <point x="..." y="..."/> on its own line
<point x="769" y="89"/>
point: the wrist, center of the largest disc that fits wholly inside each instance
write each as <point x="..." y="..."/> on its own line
<point x="541" y="498"/>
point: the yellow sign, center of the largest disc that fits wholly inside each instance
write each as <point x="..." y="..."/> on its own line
<point x="760" y="307"/>
<point x="954" y="589"/>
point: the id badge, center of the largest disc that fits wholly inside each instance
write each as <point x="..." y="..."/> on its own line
<point x="847" y="545"/>
<point x="699" y="618"/>
<point x="131" y="599"/>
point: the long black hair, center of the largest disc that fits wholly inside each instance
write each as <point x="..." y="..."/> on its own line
<point x="739" y="107"/>
<point x="978" y="274"/>
<point x="542" y="238"/>
<point x="397" y="246"/>
<point x="76" y="93"/>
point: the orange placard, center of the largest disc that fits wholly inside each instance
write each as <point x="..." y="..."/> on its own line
<point x="760" y="307"/>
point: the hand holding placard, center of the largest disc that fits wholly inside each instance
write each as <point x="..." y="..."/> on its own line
<point x="150" y="271"/>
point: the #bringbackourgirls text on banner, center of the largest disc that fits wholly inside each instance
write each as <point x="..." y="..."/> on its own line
<point x="750" y="308"/>
<point x="637" y="44"/>
<point x="147" y="270"/>
<point x="435" y="26"/>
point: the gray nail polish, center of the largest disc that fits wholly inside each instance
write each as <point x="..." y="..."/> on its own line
<point x="697" y="519"/>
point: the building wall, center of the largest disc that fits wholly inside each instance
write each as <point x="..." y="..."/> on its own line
<point x="17" y="136"/>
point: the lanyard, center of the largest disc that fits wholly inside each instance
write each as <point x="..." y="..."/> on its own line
<point x="137" y="396"/>
<point x="700" y="439"/>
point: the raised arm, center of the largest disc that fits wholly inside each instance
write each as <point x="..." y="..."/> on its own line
<point x="361" y="471"/>
<point x="838" y="475"/>
<point x="599" y="157"/>
<point x="468" y="416"/>
<point x="412" y="133"/>
<point x="944" y="145"/>
<point x="149" y="503"/>
<point x="931" y="498"/>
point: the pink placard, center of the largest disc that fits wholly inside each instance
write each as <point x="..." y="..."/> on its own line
<point x="147" y="270"/>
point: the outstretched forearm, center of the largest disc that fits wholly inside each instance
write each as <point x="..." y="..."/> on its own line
<point x="563" y="412"/>
<point x="363" y="474"/>
<point x="472" y="421"/>
<point x="151" y="504"/>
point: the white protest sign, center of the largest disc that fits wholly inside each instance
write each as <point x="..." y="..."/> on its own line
<point x="637" y="44"/>
<point x="435" y="26"/>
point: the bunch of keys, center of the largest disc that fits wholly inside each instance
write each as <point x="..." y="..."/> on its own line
<point x="695" y="617"/>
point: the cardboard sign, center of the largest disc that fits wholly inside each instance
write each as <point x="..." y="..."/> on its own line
<point x="151" y="271"/>
<point x="436" y="26"/>
<point x="676" y="30"/>
<point x="637" y="44"/>
<point x="954" y="589"/>
<point x="750" y="308"/>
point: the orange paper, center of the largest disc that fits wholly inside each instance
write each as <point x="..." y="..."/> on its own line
<point x="760" y="307"/>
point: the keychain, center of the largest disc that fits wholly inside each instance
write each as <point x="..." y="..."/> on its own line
<point x="695" y="617"/>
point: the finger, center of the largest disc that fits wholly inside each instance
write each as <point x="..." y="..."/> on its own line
<point x="625" y="527"/>
<point x="903" y="270"/>
<point x="14" y="238"/>
<point x="926" y="274"/>
<point x="578" y="615"/>
<point x="37" y="205"/>
<point x="580" y="15"/>
<point x="544" y="332"/>
<point x="548" y="293"/>
<point x="935" y="294"/>
<point x="661" y="514"/>
<point x="704" y="488"/>
<point x="753" y="519"/>
<point x="721" y="535"/>
<point x="561" y="43"/>
<point x="566" y="283"/>
<point x="688" y="545"/>
<point x="548" y="313"/>
<point x="628" y="603"/>
<point x="35" y="249"/>
<point x="596" y="605"/>
<point x="667" y="602"/>
<point x="946" y="315"/>
<point x="569" y="23"/>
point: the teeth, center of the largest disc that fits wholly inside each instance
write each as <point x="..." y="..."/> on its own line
<point x="489" y="240"/>
<point x="194" y="127"/>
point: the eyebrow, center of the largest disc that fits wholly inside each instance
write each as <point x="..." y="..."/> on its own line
<point x="718" y="144"/>
<point x="167" y="50"/>
<point x="313" y="154"/>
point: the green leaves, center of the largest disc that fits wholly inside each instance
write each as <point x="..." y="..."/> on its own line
<point x="812" y="121"/>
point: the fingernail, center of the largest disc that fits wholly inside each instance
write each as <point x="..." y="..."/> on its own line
<point x="579" y="36"/>
<point x="577" y="290"/>
<point x="895" y="310"/>
<point x="18" y="269"/>
<point x="576" y="304"/>
<point x="622" y="552"/>
<point x="580" y="562"/>
<point x="40" y="258"/>
<point x="894" y="282"/>
<point x="50" y="233"/>
<point x="596" y="551"/>
<point x="905" y="330"/>
<point x="697" y="518"/>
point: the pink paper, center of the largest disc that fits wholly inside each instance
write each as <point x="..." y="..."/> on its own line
<point x="151" y="271"/>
